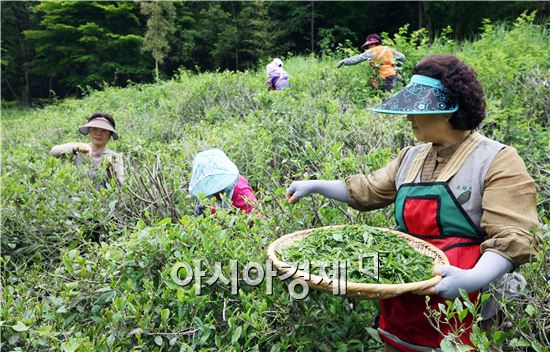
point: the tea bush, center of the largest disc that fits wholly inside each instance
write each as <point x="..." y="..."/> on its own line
<point x="88" y="269"/>
<point x="125" y="297"/>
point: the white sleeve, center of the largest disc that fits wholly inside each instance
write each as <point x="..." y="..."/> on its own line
<point x="61" y="149"/>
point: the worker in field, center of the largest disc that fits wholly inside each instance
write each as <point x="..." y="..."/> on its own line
<point x="101" y="128"/>
<point x="383" y="58"/>
<point x="468" y="195"/>
<point x="216" y="176"/>
<point x="277" y="77"/>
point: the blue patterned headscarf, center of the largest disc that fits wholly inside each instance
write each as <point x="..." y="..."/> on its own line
<point x="213" y="172"/>
<point x="424" y="95"/>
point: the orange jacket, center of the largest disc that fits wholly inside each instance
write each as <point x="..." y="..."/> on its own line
<point x="382" y="57"/>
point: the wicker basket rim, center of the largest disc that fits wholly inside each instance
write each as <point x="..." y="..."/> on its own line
<point x="355" y="287"/>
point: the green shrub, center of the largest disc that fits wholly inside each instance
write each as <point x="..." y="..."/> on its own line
<point x="122" y="296"/>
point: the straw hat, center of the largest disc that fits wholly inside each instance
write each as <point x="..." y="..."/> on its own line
<point x="100" y="120"/>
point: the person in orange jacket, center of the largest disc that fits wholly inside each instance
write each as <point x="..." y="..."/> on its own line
<point x="384" y="58"/>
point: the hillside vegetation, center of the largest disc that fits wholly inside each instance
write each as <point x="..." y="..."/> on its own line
<point x="87" y="269"/>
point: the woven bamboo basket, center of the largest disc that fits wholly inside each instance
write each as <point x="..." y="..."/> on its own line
<point x="354" y="289"/>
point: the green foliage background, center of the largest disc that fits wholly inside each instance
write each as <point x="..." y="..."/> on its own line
<point x="60" y="48"/>
<point x="60" y="291"/>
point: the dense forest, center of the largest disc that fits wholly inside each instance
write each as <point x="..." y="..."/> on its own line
<point x="65" y="48"/>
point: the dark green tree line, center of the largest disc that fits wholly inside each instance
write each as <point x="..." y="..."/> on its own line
<point x="81" y="44"/>
<point x="17" y="52"/>
<point x="63" y="47"/>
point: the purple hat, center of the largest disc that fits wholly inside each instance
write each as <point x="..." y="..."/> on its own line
<point x="370" y="41"/>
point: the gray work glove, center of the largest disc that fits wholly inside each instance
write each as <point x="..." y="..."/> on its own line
<point x="339" y="64"/>
<point x="490" y="266"/>
<point x="332" y="189"/>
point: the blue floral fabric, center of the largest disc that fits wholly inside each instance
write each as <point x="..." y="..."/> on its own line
<point x="423" y="95"/>
<point x="213" y="172"/>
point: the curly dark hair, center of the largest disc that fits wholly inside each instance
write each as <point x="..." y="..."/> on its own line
<point x="105" y="115"/>
<point x="461" y="85"/>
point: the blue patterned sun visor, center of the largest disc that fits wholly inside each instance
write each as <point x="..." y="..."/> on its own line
<point x="213" y="172"/>
<point x="423" y="95"/>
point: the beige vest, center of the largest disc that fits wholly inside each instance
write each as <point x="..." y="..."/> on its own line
<point x="464" y="173"/>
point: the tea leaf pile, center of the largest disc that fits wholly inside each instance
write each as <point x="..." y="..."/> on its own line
<point x="398" y="262"/>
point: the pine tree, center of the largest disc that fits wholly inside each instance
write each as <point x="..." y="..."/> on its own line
<point x="86" y="43"/>
<point x="17" y="52"/>
<point x="259" y="34"/>
<point x="160" y="26"/>
<point x="217" y="34"/>
<point x="184" y="47"/>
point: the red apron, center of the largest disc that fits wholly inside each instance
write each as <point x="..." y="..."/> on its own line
<point x="429" y="211"/>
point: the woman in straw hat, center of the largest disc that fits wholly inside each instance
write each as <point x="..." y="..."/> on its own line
<point x="470" y="196"/>
<point x="100" y="127"/>
<point x="384" y="58"/>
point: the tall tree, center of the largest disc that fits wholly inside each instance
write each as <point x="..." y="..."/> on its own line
<point x="312" y="31"/>
<point x="295" y="17"/>
<point x="17" y="51"/>
<point x="218" y="35"/>
<point x="87" y="43"/>
<point x="184" y="45"/>
<point x="259" y="34"/>
<point x="160" y="26"/>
